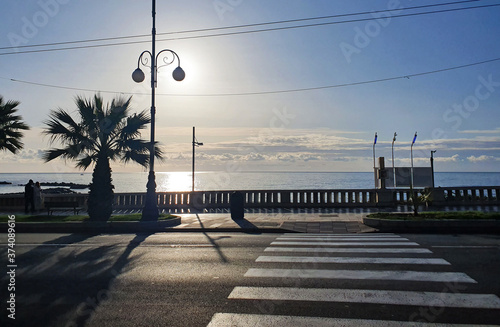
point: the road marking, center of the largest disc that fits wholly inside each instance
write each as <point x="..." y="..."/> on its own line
<point x="351" y="250"/>
<point x="466" y="246"/>
<point x="338" y="235"/>
<point x="252" y="320"/>
<point x="318" y="238"/>
<point x="348" y="243"/>
<point x="435" y="299"/>
<point x="402" y="261"/>
<point x="403" y="275"/>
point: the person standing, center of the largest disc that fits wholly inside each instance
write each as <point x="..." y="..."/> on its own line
<point x="38" y="196"/>
<point x="29" y="196"/>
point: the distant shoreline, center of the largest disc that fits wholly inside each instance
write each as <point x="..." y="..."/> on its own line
<point x="240" y="172"/>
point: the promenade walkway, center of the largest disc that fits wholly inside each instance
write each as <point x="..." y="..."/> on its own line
<point x="298" y="222"/>
<point x="334" y="221"/>
<point x="305" y="221"/>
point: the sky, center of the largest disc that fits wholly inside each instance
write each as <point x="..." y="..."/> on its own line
<point x="268" y="97"/>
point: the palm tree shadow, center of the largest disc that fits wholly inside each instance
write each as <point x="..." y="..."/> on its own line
<point x="101" y="289"/>
<point x="66" y="287"/>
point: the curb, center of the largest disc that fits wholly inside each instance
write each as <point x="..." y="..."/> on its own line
<point x="434" y="226"/>
<point x="128" y="227"/>
<point x="94" y="227"/>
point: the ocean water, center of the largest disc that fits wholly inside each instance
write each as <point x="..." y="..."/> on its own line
<point x="182" y="181"/>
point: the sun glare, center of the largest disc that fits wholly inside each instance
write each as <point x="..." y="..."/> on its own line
<point x="173" y="182"/>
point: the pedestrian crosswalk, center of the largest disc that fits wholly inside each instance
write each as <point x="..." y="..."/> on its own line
<point x="335" y="262"/>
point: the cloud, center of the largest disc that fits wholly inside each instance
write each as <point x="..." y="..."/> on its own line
<point x="482" y="158"/>
<point x="24" y="155"/>
<point x="485" y="131"/>
<point x="305" y="140"/>
<point x="286" y="157"/>
<point x="453" y="158"/>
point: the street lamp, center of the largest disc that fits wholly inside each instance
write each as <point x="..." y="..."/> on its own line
<point x="195" y="144"/>
<point x="393" y="168"/>
<point x="432" y="166"/>
<point x="150" y="210"/>
<point x="411" y="151"/>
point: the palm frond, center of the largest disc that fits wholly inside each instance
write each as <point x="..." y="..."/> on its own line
<point x="135" y="123"/>
<point x="11" y="126"/>
<point x="85" y="162"/>
<point x="52" y="154"/>
<point x="104" y="130"/>
<point x="137" y="157"/>
<point x="11" y="144"/>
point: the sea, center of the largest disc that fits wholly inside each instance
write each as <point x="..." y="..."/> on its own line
<point x="213" y="181"/>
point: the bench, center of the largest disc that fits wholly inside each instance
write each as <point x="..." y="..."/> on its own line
<point x="54" y="205"/>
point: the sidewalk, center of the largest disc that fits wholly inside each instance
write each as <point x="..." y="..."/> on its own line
<point x="278" y="222"/>
<point x="267" y="222"/>
<point x="307" y="221"/>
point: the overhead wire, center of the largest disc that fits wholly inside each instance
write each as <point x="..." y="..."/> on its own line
<point x="406" y="76"/>
<point x="245" y="32"/>
<point x="231" y="27"/>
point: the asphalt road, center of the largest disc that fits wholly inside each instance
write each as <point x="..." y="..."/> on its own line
<point x="236" y="279"/>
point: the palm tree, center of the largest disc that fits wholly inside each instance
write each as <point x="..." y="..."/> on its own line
<point x="10" y="127"/>
<point x="103" y="133"/>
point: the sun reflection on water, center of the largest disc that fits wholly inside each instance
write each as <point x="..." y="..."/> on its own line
<point x="173" y="181"/>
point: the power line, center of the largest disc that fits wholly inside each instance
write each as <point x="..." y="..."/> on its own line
<point x="244" y="32"/>
<point x="326" y="23"/>
<point x="232" y="27"/>
<point x="267" y="92"/>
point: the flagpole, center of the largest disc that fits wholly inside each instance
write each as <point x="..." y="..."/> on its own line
<point x="393" y="168"/>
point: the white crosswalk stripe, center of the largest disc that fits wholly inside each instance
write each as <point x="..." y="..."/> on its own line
<point x="253" y="320"/>
<point x="343" y="236"/>
<point x="348" y="243"/>
<point x="347" y="250"/>
<point x="322" y="238"/>
<point x="391" y="253"/>
<point x="399" y="275"/>
<point x="402" y="261"/>
<point x="457" y="300"/>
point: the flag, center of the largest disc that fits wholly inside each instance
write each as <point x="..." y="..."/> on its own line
<point x="375" y="141"/>
<point x="414" y="138"/>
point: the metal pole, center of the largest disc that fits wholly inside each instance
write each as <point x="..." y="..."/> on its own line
<point x="374" y="170"/>
<point x="411" y="151"/>
<point x="393" y="168"/>
<point x="194" y="140"/>
<point x="432" y="166"/>
<point x="150" y="211"/>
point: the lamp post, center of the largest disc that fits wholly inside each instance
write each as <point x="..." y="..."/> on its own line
<point x="150" y="210"/>
<point x="411" y="151"/>
<point x="432" y="166"/>
<point x="374" y="170"/>
<point x="195" y="144"/>
<point x="393" y="168"/>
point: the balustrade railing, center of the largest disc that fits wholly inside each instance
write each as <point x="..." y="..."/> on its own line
<point x="282" y="198"/>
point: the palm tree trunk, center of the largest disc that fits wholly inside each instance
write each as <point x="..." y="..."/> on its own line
<point x="101" y="191"/>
